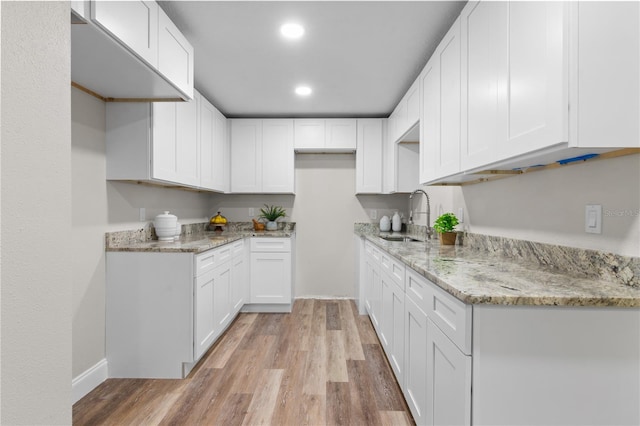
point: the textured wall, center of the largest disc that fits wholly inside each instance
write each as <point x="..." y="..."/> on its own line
<point x="36" y="214"/>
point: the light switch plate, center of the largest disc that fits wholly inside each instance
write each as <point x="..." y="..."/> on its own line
<point x="593" y="219"/>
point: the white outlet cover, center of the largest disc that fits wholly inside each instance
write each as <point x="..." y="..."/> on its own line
<point x="593" y="219"/>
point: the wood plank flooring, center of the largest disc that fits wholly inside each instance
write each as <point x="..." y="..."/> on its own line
<point x="321" y="364"/>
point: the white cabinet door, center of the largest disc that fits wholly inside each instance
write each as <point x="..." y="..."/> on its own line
<point x="605" y="74"/>
<point x="206" y="135"/>
<point x="133" y="23"/>
<point x="340" y="134"/>
<point x="369" y="156"/>
<point x="205" y="326"/>
<point x="187" y="146"/>
<point x="309" y="134"/>
<point x="392" y="325"/>
<point x="222" y="297"/>
<point x="164" y="148"/>
<point x="430" y="120"/>
<point x="515" y="79"/>
<point x="440" y="141"/>
<point x="412" y="98"/>
<point x="538" y="108"/>
<point x="212" y="135"/>
<point x="175" y="143"/>
<point x="448" y="381"/>
<point x="175" y="55"/>
<point x="271" y="278"/>
<point x="415" y="352"/>
<point x="222" y="148"/>
<point x="277" y="156"/>
<point x="246" y="156"/>
<point x="485" y="80"/>
<point x="238" y="282"/>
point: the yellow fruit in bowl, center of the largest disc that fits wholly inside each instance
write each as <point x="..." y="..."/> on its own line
<point x="218" y="220"/>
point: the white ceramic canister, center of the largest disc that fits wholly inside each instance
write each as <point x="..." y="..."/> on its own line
<point x="165" y="225"/>
<point x="385" y="224"/>
<point x="396" y="222"/>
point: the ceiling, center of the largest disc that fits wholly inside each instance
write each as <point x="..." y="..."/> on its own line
<point x="359" y="57"/>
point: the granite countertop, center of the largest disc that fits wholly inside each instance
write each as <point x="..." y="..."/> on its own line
<point x="477" y="277"/>
<point x="196" y="239"/>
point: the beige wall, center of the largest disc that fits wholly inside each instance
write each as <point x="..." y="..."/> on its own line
<point x="36" y="214"/>
<point x="548" y="206"/>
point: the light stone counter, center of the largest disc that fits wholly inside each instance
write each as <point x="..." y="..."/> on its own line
<point x="480" y="276"/>
<point x="195" y="238"/>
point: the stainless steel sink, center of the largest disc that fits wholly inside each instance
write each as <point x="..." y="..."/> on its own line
<point x="402" y="238"/>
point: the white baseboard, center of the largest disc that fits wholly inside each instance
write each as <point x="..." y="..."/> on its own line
<point x="89" y="380"/>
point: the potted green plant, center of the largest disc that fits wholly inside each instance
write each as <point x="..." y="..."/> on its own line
<point x="444" y="225"/>
<point x="271" y="214"/>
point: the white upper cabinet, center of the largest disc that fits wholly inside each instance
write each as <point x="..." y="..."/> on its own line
<point x="514" y="79"/>
<point x="341" y="134"/>
<point x="605" y="74"/>
<point x="369" y="156"/>
<point x="277" y="156"/>
<point x="130" y="50"/>
<point x="440" y="121"/>
<point x="407" y="112"/>
<point x="331" y="135"/>
<point x="540" y="82"/>
<point x="175" y="55"/>
<point x="212" y="136"/>
<point x="175" y="149"/>
<point x="133" y="23"/>
<point x="176" y="143"/>
<point x="262" y="156"/>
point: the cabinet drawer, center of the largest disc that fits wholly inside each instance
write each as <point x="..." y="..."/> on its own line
<point x="394" y="268"/>
<point x="271" y="245"/>
<point x="372" y="251"/>
<point x="210" y="259"/>
<point x="237" y="248"/>
<point x="452" y="317"/>
<point x="417" y="288"/>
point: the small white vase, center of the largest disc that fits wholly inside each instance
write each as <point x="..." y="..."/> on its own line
<point x="272" y="225"/>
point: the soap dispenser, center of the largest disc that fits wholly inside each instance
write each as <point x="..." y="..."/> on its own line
<point x="396" y="222"/>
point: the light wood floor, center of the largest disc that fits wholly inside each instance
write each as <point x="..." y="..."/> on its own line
<point x="321" y="364"/>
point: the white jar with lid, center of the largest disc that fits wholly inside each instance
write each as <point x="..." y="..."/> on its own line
<point x="165" y="226"/>
<point x="385" y="224"/>
<point x="396" y="224"/>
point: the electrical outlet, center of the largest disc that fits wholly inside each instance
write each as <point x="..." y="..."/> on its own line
<point x="142" y="214"/>
<point x="251" y="212"/>
<point x="373" y="214"/>
<point x="460" y="215"/>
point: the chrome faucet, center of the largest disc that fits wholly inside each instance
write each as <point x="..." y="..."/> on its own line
<point x="429" y="230"/>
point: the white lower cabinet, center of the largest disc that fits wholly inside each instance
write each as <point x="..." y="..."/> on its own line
<point x="448" y="380"/>
<point x="270" y="274"/>
<point x="433" y="372"/>
<point x="165" y="310"/>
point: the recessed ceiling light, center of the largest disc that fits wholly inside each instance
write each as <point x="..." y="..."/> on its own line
<point x="292" y="30"/>
<point x="303" y="90"/>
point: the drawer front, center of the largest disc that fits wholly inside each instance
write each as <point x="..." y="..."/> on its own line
<point x="210" y="259"/>
<point x="452" y="317"/>
<point x="417" y="288"/>
<point x="237" y="248"/>
<point x="394" y="268"/>
<point x="368" y="248"/>
<point x="271" y="245"/>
